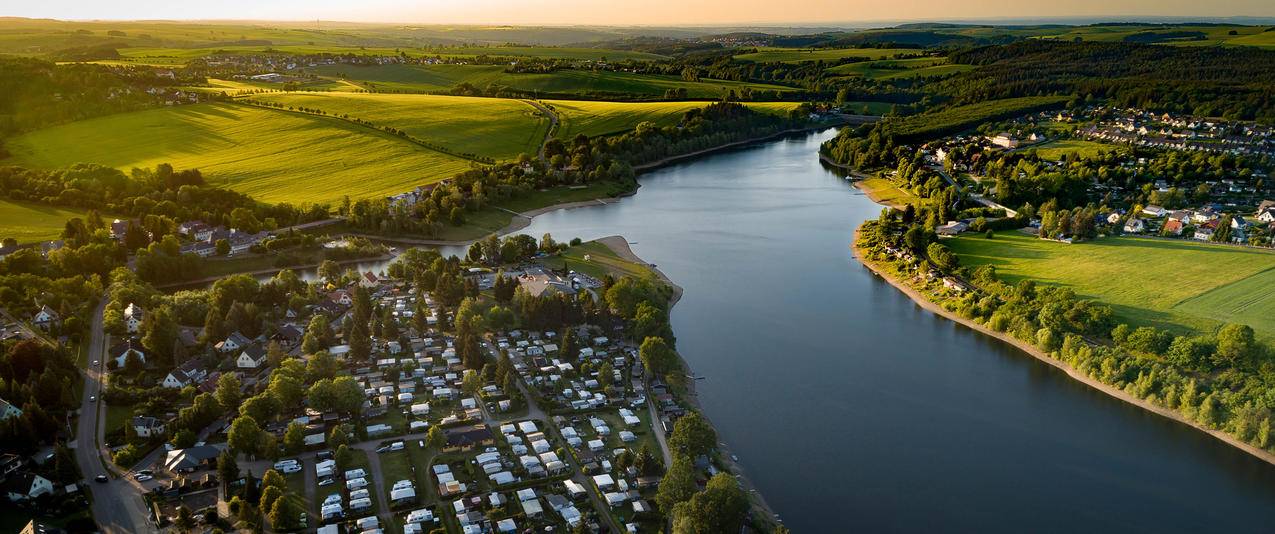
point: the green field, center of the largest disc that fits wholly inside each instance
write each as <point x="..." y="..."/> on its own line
<point x="894" y="69"/>
<point x="799" y="55"/>
<point x="1178" y="285"/>
<point x="433" y="78"/>
<point x="1212" y="35"/>
<point x="276" y="156"/>
<point x="955" y="119"/>
<point x="601" y="261"/>
<point x="886" y="191"/>
<point x="1058" y="149"/>
<point x="492" y="127"/>
<point x="29" y="223"/>
<point x="601" y="118"/>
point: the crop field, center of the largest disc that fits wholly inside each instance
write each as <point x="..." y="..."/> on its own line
<point x="799" y="55"/>
<point x="493" y="127"/>
<point x="430" y="78"/>
<point x="29" y="223"/>
<point x="1178" y="285"/>
<point x="594" y="118"/>
<point x="1058" y="149"/>
<point x="893" y="69"/>
<point x="1185" y="35"/>
<point x="275" y="156"/>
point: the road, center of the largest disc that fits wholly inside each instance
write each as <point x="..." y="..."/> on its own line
<point x="553" y="126"/>
<point x="117" y="504"/>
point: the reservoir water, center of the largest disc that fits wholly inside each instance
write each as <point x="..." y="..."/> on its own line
<point x="852" y="409"/>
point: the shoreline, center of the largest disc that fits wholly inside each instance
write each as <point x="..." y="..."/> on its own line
<point x="620" y="246"/>
<point x="925" y="303"/>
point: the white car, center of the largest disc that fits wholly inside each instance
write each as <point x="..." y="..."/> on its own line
<point x="142" y="477"/>
<point x="292" y="468"/>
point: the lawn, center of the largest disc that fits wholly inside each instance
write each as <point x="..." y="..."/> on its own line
<point x="601" y="118"/>
<point x="29" y="223"/>
<point x="601" y="262"/>
<point x="1059" y="148"/>
<point x="798" y="55"/>
<point x="396" y="466"/>
<point x="275" y="156"/>
<point x="432" y="78"/>
<point x="1178" y="285"/>
<point x="885" y="191"/>
<point x="491" y="127"/>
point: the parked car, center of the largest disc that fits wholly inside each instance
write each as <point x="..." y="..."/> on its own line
<point x="324" y="455"/>
<point x="383" y="449"/>
<point x="140" y="477"/>
<point x="291" y="468"/>
<point x="326" y="481"/>
<point x="101" y="479"/>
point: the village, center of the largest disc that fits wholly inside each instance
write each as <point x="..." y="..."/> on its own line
<point x="550" y="429"/>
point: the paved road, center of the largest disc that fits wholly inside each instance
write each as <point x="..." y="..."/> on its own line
<point x="117" y="505"/>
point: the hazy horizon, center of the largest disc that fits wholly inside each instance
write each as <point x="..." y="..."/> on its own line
<point x="654" y="13"/>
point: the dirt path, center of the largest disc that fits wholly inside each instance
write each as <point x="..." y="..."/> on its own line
<point x="925" y="303"/>
<point x="553" y="126"/>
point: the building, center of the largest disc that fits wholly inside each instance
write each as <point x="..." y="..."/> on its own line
<point x="26" y="486"/>
<point x="190" y="373"/>
<point x="1174" y="227"/>
<point x="1005" y="140"/>
<point x="147" y="427"/>
<point x="463" y="438"/>
<point x="252" y="357"/>
<point x="1134" y="226"/>
<point x="1155" y="211"/>
<point x="232" y="343"/>
<point x="8" y="410"/>
<point x="952" y="228"/>
<point x="133" y="315"/>
<point x="121" y="352"/>
<point x="190" y="459"/>
<point x="46" y="319"/>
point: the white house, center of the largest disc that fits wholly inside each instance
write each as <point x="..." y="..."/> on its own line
<point x="1266" y="215"/>
<point x="232" y="343"/>
<point x="1155" y="211"/>
<point x="120" y="352"/>
<point x="133" y="315"/>
<point x="46" y="318"/>
<point x="1134" y="226"/>
<point x="26" y="486"/>
<point x="8" y="410"/>
<point x="147" y="427"/>
<point x="188" y="374"/>
<point x="252" y="357"/>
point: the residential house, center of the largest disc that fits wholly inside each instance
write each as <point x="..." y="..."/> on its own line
<point x="1134" y="226"/>
<point x="1005" y="140"/>
<point x="46" y="319"/>
<point x="1203" y="233"/>
<point x="8" y="410"/>
<point x="232" y="343"/>
<point x="1266" y="214"/>
<point x="288" y="336"/>
<point x="464" y="438"/>
<point x="121" y="351"/>
<point x="369" y="280"/>
<point x="952" y="228"/>
<point x="191" y="373"/>
<point x="1154" y="211"/>
<point x="545" y="283"/>
<point x="147" y="427"/>
<point x="26" y="486"/>
<point x="252" y="357"/>
<point x="1174" y="227"/>
<point x="133" y="315"/>
<point x="190" y="459"/>
<point x="9" y="463"/>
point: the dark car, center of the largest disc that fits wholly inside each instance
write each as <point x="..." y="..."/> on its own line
<point x="101" y="479"/>
<point x="324" y="455"/>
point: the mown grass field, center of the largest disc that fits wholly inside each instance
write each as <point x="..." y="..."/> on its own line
<point x="1058" y="149"/>
<point x="276" y="156"/>
<point x="798" y="55"/>
<point x="885" y="191"/>
<point x="601" y="261"/>
<point x="894" y="69"/>
<point x="1178" y="285"/>
<point x="431" y="78"/>
<point x="493" y="127"/>
<point x="594" y="118"/>
<point x="29" y="223"/>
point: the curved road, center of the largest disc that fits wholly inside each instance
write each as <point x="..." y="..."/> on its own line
<point x="117" y="504"/>
<point x="553" y="125"/>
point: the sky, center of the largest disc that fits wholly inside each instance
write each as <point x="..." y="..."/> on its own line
<point x="627" y="12"/>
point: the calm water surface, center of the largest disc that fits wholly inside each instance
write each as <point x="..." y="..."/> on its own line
<point x="853" y="409"/>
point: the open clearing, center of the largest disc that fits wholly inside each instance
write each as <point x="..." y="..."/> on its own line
<point x="1058" y="149"/>
<point x="433" y="78"/>
<point x="275" y="156"/>
<point x="492" y="127"/>
<point x="799" y="55"/>
<point x="30" y="223"/>
<point x="1178" y="285"/>
<point x="602" y="118"/>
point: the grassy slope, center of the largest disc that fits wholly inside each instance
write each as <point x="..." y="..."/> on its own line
<point x="428" y="78"/>
<point x="894" y="69"/>
<point x="498" y="128"/>
<point x="600" y="118"/>
<point x="798" y="55"/>
<point x="28" y="222"/>
<point x="1180" y="285"/>
<point x="275" y="156"/>
<point x="1057" y="149"/>
<point x="601" y="261"/>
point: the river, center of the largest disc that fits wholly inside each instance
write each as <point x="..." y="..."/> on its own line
<point x="851" y="408"/>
